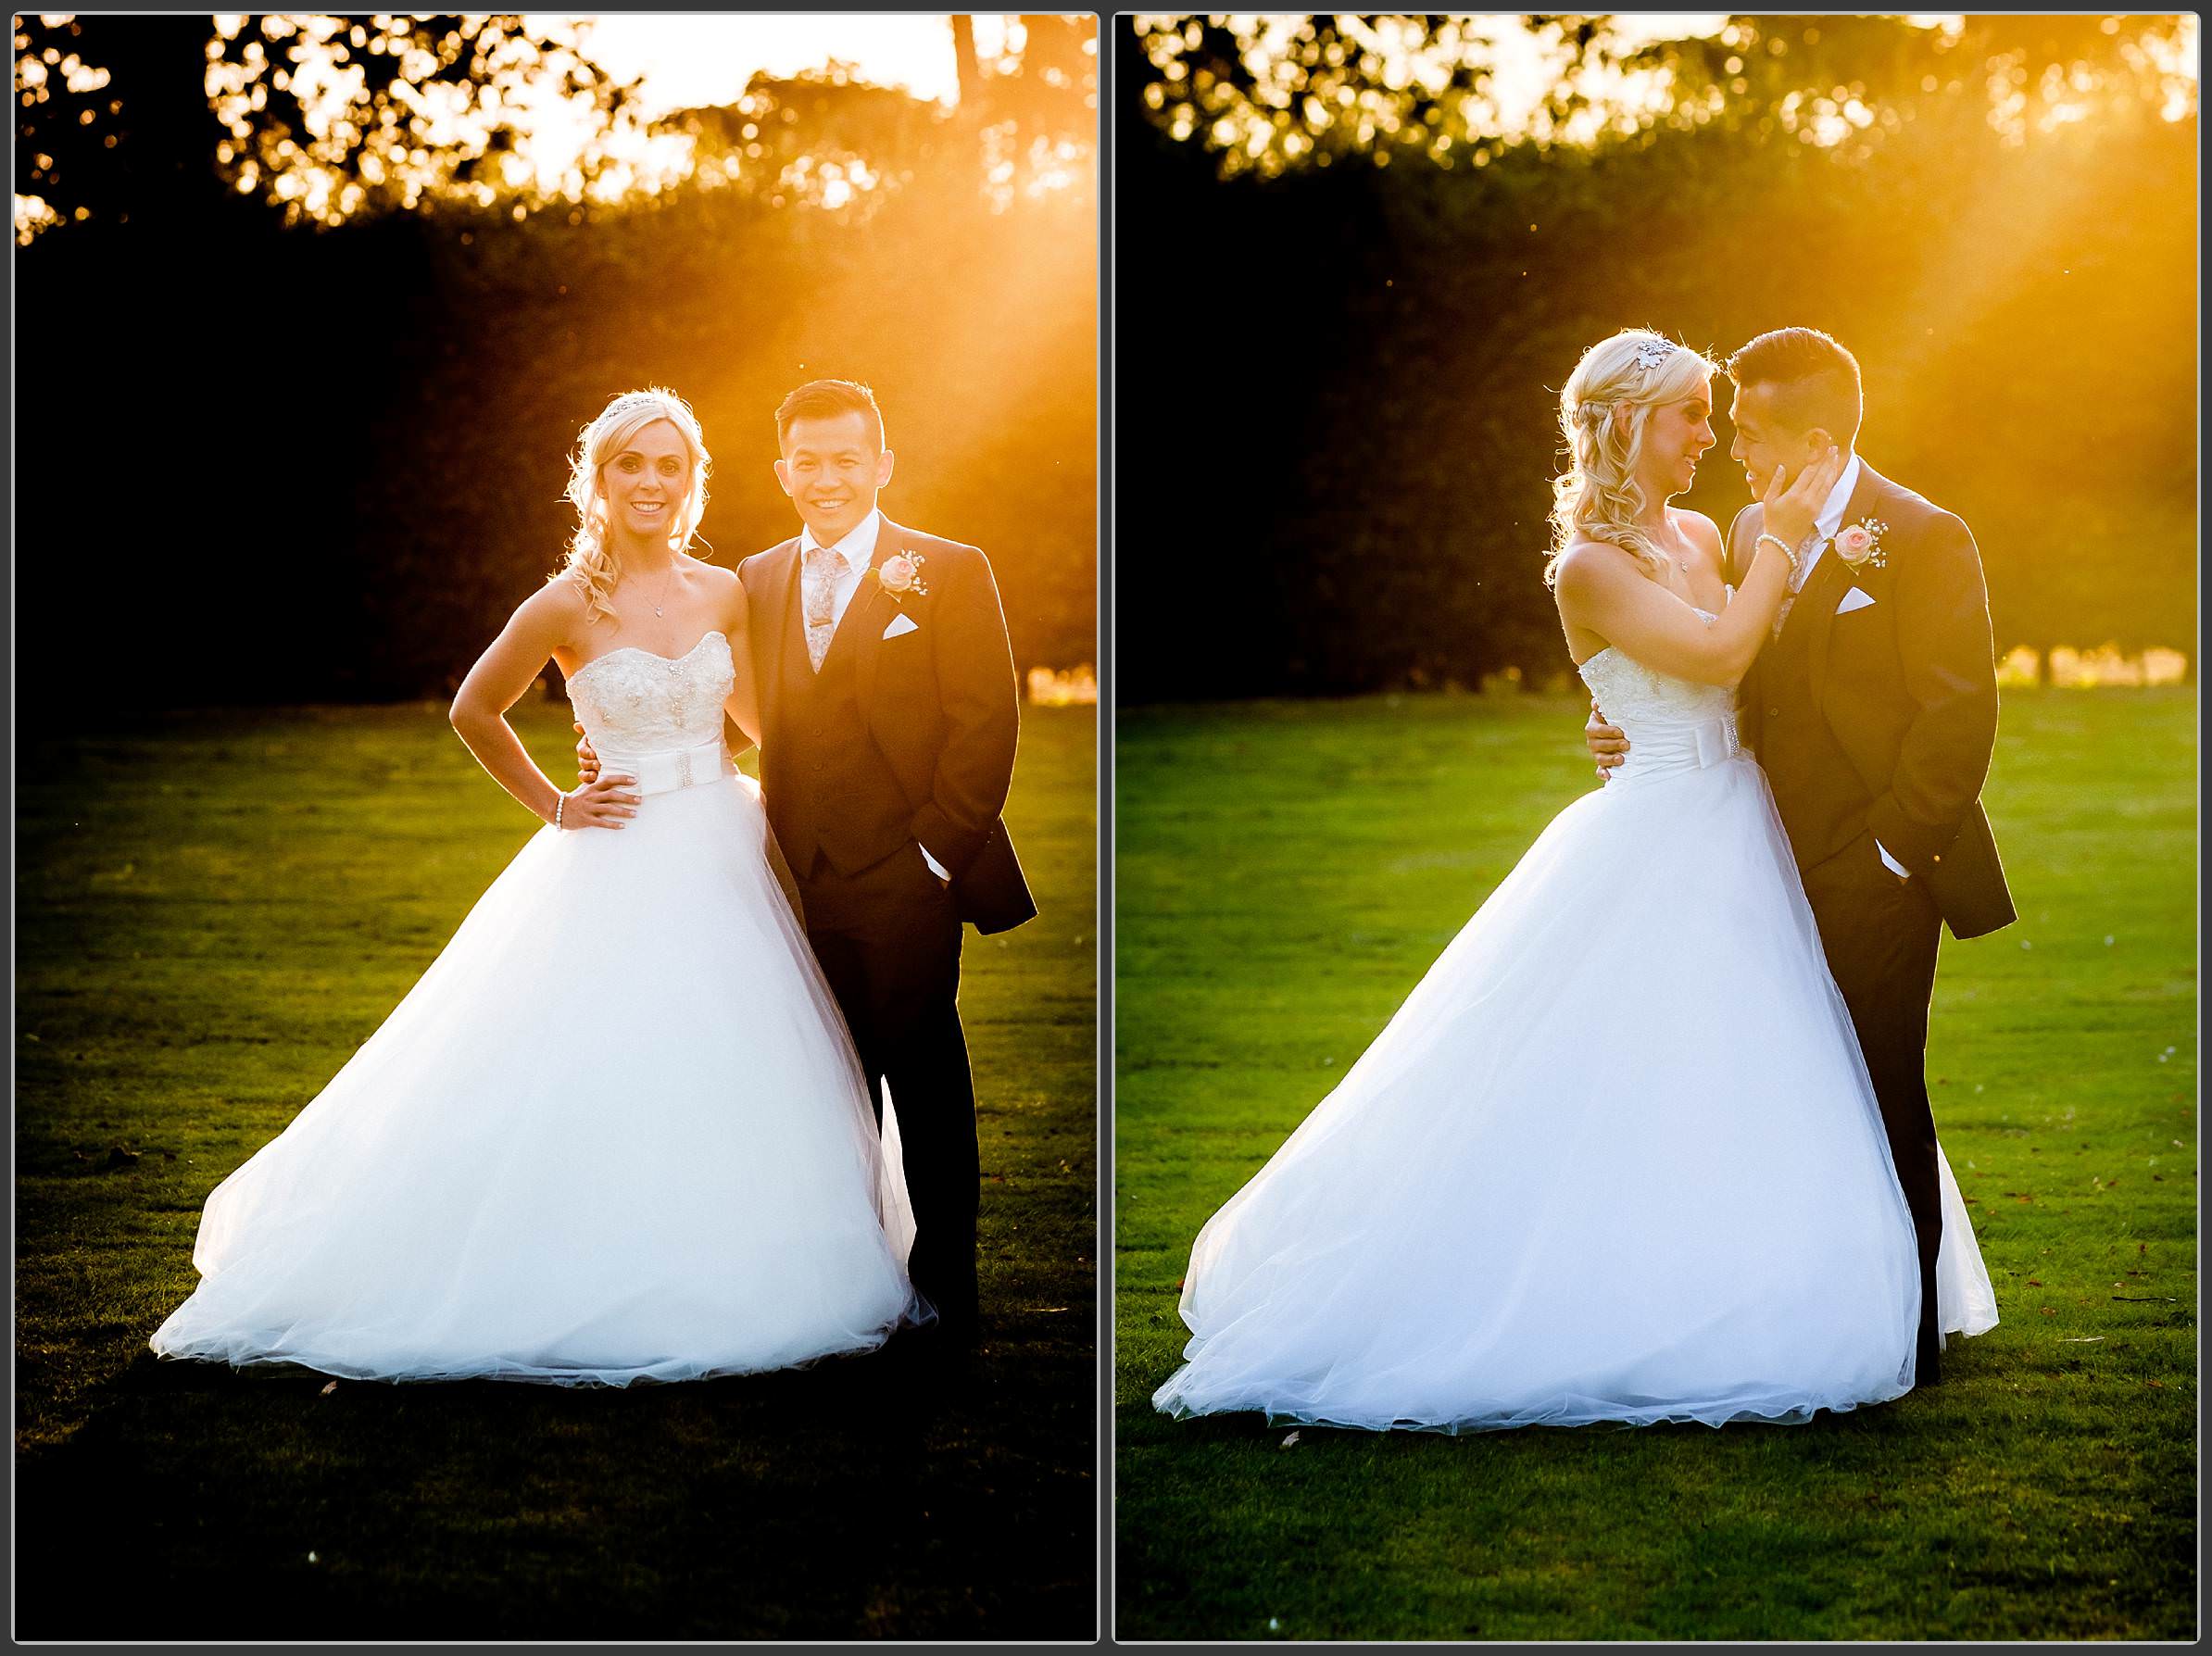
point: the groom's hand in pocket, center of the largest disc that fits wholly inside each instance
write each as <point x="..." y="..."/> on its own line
<point x="1608" y="743"/>
<point x="587" y="756"/>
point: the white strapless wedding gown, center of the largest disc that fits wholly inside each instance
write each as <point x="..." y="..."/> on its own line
<point x="1615" y="1159"/>
<point x="615" y="1132"/>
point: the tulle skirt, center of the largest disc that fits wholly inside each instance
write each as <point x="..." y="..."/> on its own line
<point x="1615" y="1159"/>
<point x="615" y="1132"/>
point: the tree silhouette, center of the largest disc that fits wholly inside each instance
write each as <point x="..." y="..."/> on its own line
<point x="820" y="139"/>
<point x="330" y="118"/>
<point x="1034" y="107"/>
<point x="111" y="120"/>
<point x="1266" y="92"/>
<point x="335" y="115"/>
<point x="326" y="117"/>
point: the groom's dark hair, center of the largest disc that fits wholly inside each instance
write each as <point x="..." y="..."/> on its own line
<point x="825" y="399"/>
<point x="1815" y="381"/>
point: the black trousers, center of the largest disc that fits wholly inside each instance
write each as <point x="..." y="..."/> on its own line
<point x="889" y="944"/>
<point x="1881" y="934"/>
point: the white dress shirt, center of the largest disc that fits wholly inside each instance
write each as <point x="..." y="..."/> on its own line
<point x="858" y="550"/>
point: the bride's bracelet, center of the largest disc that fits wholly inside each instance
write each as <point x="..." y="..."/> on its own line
<point x="560" y="804"/>
<point x="1788" y="552"/>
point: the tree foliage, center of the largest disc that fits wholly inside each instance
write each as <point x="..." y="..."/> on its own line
<point x="332" y="117"/>
<point x="1266" y="92"/>
<point x="324" y="118"/>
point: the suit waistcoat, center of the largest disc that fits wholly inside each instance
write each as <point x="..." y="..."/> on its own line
<point x="840" y="798"/>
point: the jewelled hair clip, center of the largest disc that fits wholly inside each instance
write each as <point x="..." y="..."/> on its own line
<point x="1650" y="354"/>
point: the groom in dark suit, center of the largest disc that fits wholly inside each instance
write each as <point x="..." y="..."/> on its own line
<point x="889" y="708"/>
<point x="1873" y="710"/>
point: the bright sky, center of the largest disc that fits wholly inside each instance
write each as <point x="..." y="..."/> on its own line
<point x="689" y="59"/>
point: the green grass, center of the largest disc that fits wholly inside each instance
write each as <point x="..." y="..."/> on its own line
<point x="1285" y="872"/>
<point x="212" y="912"/>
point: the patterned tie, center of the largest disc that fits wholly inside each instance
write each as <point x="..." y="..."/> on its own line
<point x="818" y="586"/>
<point x="1798" y="576"/>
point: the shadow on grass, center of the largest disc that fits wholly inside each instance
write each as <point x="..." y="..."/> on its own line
<point x="1953" y="1510"/>
<point x="202" y="1502"/>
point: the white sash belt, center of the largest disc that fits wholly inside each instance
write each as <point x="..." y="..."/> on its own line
<point x="1669" y="749"/>
<point x="671" y="768"/>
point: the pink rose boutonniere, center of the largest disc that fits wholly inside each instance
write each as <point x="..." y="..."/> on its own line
<point x="1860" y="544"/>
<point x="901" y="573"/>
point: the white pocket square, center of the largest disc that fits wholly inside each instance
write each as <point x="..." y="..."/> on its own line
<point x="1854" y="599"/>
<point x="901" y="622"/>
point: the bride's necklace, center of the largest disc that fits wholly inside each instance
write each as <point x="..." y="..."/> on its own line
<point x="1680" y="563"/>
<point x="668" y="586"/>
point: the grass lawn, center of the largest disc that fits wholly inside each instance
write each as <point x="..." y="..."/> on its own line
<point x="1285" y="873"/>
<point x="213" y="912"/>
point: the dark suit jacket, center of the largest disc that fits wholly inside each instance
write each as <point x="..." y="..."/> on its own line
<point x="942" y="705"/>
<point x="1908" y="687"/>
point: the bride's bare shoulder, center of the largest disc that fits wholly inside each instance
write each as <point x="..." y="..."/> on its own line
<point x="728" y="591"/>
<point x="1587" y="563"/>
<point x="557" y="608"/>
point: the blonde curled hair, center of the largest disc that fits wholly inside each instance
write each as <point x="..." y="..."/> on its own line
<point x="591" y="561"/>
<point x="1602" y="411"/>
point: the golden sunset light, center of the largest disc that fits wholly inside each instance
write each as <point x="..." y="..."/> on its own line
<point x="687" y="62"/>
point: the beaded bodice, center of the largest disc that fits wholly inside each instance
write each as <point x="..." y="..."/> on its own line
<point x="631" y="700"/>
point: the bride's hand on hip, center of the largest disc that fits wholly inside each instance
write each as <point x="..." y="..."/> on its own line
<point x="1790" y="504"/>
<point x="605" y="802"/>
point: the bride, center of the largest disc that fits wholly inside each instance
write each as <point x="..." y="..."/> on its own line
<point x="1499" y="1219"/>
<point x="616" y="1132"/>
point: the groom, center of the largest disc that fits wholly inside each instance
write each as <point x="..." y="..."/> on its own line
<point x="889" y="706"/>
<point x="1873" y="710"/>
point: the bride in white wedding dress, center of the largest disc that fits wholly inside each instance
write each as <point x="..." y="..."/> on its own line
<point x="1617" y="1157"/>
<point x="617" y="1131"/>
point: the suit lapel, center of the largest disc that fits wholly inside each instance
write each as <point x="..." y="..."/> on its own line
<point x="1744" y="523"/>
<point x="772" y="623"/>
<point x="1834" y="579"/>
<point x="867" y="606"/>
<point x="1815" y="613"/>
<point x="1747" y="688"/>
